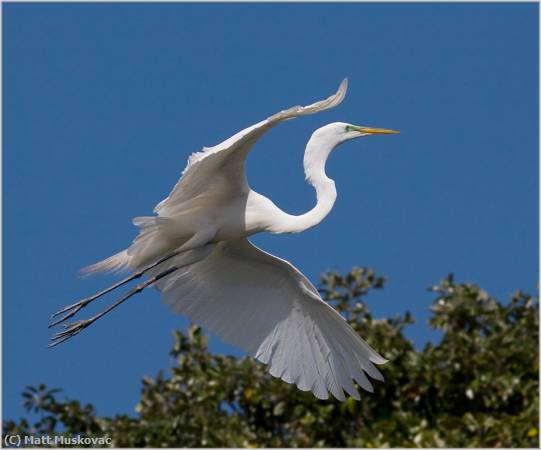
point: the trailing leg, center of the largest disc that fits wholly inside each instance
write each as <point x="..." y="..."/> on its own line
<point x="73" y="309"/>
<point x="76" y="327"/>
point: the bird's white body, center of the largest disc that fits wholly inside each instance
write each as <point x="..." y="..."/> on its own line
<point x="225" y="207"/>
<point x="195" y="250"/>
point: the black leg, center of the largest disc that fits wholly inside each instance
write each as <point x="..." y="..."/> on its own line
<point x="73" y="309"/>
<point x="75" y="328"/>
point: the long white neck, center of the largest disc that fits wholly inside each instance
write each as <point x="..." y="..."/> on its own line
<point x="315" y="156"/>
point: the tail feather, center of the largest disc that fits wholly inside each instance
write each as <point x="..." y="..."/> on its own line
<point x="115" y="263"/>
<point x="145" y="248"/>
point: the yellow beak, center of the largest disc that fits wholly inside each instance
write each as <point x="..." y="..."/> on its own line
<point x="369" y="130"/>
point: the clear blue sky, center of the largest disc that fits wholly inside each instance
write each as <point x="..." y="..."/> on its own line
<point x="104" y="102"/>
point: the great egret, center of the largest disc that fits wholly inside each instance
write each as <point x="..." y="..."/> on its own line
<point x="195" y="251"/>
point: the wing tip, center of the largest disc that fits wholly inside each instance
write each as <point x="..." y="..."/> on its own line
<point x="378" y="359"/>
<point x="343" y="86"/>
<point x="341" y="92"/>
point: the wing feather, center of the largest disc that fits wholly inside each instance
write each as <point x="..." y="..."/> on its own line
<point x="266" y="307"/>
<point x="220" y="169"/>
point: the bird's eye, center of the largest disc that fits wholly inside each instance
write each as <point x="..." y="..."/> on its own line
<point x="350" y="128"/>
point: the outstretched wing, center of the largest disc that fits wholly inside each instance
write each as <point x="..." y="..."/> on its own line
<point x="266" y="307"/>
<point x="219" y="170"/>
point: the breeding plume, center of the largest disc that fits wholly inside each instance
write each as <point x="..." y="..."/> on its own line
<point x="195" y="251"/>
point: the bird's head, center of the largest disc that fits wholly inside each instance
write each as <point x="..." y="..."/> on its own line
<point x="339" y="132"/>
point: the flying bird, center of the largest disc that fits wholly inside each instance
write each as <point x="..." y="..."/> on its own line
<point x="195" y="251"/>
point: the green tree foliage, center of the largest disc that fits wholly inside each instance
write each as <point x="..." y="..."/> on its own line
<point x="478" y="387"/>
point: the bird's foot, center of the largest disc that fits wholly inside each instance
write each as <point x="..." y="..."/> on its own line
<point x="70" y="330"/>
<point x="71" y="310"/>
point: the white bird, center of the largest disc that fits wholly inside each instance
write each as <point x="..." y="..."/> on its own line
<point x="196" y="252"/>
